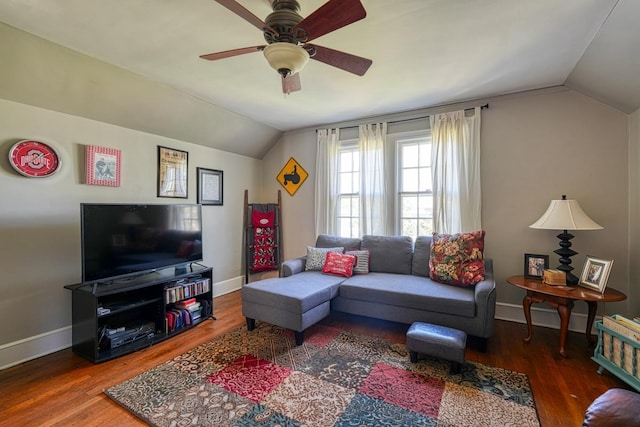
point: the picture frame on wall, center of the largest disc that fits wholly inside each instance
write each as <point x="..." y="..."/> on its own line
<point x="173" y="172"/>
<point x="595" y="273"/>
<point x="534" y="265"/>
<point x="102" y="166"/>
<point x="210" y="186"/>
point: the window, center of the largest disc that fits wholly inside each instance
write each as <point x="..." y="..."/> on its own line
<point x="414" y="212"/>
<point x="348" y="208"/>
<point x="413" y="200"/>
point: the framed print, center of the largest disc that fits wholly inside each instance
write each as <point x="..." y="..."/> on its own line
<point x="534" y="265"/>
<point x="172" y="172"/>
<point x="102" y="166"/>
<point x="595" y="273"/>
<point x="209" y="186"/>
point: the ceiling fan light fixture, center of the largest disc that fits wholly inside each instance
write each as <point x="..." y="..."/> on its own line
<point x="286" y="58"/>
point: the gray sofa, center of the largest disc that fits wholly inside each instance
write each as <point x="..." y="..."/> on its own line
<point x="397" y="288"/>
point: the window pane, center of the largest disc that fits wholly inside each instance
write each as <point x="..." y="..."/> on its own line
<point x="346" y="160"/>
<point x="410" y="155"/>
<point x="410" y="180"/>
<point x="346" y="183"/>
<point x="425" y="227"/>
<point x="344" y="227"/>
<point x="425" y="154"/>
<point x="344" y="206"/>
<point x="409" y="208"/>
<point x="425" y="179"/>
<point x="425" y="206"/>
<point x="409" y="227"/>
<point x="355" y="227"/>
<point x="355" y="207"/>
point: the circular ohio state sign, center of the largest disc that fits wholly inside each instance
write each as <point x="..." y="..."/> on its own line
<point x="34" y="159"/>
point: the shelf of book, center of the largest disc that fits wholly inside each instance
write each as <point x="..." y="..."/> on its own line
<point x="618" y="349"/>
<point x="116" y="318"/>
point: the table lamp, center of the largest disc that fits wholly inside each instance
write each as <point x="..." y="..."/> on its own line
<point x="565" y="215"/>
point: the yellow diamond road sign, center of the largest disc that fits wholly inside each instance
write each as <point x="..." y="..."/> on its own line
<point x="292" y="176"/>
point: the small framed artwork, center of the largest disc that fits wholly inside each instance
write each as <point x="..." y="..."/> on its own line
<point x="534" y="265"/>
<point x="210" y="186"/>
<point x="595" y="273"/>
<point x="173" y="170"/>
<point x="102" y="166"/>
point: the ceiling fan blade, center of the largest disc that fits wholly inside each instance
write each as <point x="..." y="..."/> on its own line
<point x="230" y="53"/>
<point x="330" y="16"/>
<point x="345" y="61"/>
<point x="245" y="14"/>
<point x="291" y="83"/>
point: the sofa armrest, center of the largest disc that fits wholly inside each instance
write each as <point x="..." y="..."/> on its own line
<point x="485" y="296"/>
<point x="293" y="266"/>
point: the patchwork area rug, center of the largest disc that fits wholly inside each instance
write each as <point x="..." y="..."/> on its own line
<point x="336" y="378"/>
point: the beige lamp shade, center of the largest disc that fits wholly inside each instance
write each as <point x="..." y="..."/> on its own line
<point x="286" y="58"/>
<point x="565" y="215"/>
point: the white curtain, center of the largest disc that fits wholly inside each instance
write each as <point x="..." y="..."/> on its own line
<point x="456" y="172"/>
<point x="326" y="181"/>
<point x="373" y="212"/>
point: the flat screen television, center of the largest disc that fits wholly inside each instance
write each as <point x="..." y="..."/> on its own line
<point x="123" y="240"/>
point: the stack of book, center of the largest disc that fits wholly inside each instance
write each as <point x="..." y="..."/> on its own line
<point x="192" y="306"/>
<point x="183" y="313"/>
<point x="623" y="352"/>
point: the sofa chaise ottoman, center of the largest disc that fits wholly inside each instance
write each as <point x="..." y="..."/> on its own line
<point x="396" y="287"/>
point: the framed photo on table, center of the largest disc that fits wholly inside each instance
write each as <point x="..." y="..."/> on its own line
<point x="173" y="170"/>
<point x="595" y="273"/>
<point x="210" y="186"/>
<point x="534" y="265"/>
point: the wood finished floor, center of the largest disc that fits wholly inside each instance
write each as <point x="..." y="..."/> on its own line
<point x="63" y="389"/>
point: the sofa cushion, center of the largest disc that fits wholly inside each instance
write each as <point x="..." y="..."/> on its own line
<point x="296" y="294"/>
<point x="340" y="264"/>
<point x="362" y="261"/>
<point x="410" y="291"/>
<point x="389" y="254"/>
<point x="421" y="254"/>
<point x="457" y="259"/>
<point x="316" y="257"/>
<point x="328" y="241"/>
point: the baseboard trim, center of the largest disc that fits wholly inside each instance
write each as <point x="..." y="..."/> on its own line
<point x="228" y="286"/>
<point x="26" y="349"/>
<point x="17" y="352"/>
<point x="30" y="348"/>
<point x="544" y="317"/>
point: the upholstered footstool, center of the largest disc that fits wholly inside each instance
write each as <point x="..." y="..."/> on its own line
<point x="437" y="341"/>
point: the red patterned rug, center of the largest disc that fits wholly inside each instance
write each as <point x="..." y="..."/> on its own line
<point x="336" y="378"/>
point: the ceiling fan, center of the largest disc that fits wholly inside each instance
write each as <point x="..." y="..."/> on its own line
<point x="288" y="35"/>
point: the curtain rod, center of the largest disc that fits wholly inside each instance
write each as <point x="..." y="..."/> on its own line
<point x="392" y="122"/>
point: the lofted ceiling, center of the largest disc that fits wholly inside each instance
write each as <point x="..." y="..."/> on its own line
<point x="425" y="52"/>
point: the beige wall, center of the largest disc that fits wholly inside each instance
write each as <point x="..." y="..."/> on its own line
<point x="535" y="147"/>
<point x="634" y="214"/>
<point x="39" y="218"/>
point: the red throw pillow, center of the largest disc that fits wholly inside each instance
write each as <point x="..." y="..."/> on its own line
<point x="457" y="259"/>
<point x="339" y="264"/>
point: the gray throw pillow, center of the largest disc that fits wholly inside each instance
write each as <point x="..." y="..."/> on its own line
<point x="316" y="257"/>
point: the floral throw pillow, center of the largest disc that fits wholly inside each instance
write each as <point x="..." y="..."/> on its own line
<point x="457" y="259"/>
<point x="339" y="264"/>
<point x="317" y="256"/>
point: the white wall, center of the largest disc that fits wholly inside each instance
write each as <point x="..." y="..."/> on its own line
<point x="536" y="147"/>
<point x="40" y="218"/>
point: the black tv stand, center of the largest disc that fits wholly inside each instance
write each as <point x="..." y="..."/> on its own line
<point x="111" y="319"/>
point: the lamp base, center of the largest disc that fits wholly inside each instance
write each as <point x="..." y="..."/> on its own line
<point x="566" y="253"/>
